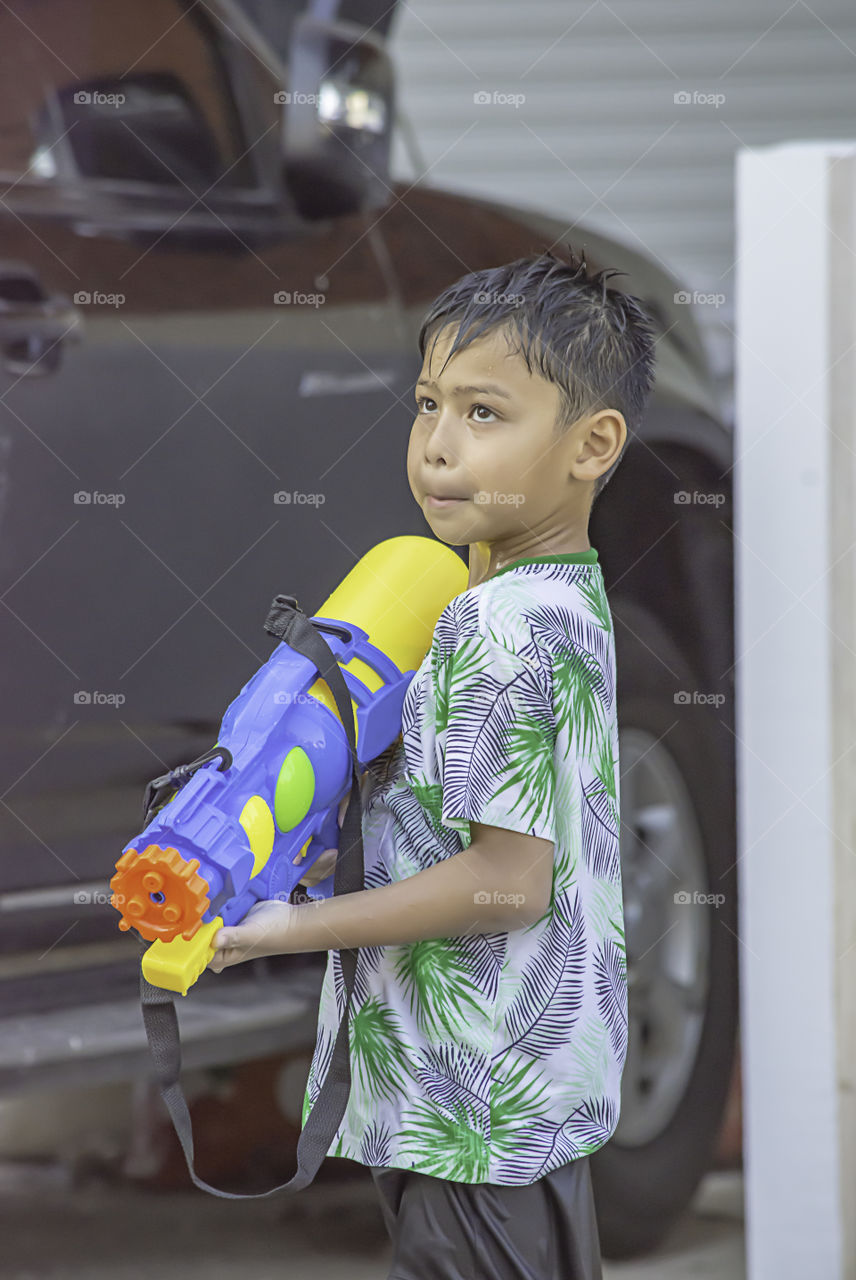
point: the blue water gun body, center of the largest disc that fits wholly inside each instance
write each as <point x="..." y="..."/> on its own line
<point x="247" y="820"/>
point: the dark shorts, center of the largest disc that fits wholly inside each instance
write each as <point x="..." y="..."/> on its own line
<point x="482" y="1231"/>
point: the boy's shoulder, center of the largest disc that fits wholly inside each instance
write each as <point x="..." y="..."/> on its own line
<point x="529" y="606"/>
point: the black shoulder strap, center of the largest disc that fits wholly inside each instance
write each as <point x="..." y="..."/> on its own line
<point x="288" y="622"/>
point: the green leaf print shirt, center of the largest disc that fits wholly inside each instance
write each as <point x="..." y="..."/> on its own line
<point x="498" y="1057"/>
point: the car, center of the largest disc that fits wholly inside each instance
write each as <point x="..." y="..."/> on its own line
<point x="210" y="292"/>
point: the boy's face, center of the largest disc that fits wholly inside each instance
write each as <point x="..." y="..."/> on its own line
<point x="485" y="435"/>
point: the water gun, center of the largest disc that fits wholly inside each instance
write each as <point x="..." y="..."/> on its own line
<point x="247" y="820"/>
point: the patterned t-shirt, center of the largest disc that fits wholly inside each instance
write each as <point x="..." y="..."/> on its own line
<point x="497" y="1057"/>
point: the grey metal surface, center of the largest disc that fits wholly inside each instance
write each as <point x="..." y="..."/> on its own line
<point x="220" y="1023"/>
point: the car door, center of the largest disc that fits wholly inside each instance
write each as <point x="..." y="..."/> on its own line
<point x="197" y="411"/>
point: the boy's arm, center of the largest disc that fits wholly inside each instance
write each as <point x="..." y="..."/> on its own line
<point x="502" y="881"/>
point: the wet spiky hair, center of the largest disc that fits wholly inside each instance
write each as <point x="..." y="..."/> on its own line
<point x="596" y="344"/>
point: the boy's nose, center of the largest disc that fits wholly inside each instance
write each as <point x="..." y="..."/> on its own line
<point x="441" y="445"/>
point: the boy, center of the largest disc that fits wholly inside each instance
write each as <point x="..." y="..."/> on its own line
<point x="489" y="1024"/>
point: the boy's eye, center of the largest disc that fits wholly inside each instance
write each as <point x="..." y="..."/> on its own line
<point x="424" y="404"/>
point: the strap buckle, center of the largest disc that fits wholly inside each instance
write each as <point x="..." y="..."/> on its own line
<point x="281" y="615"/>
<point x="160" y="790"/>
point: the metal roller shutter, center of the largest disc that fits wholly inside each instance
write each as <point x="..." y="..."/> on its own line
<point x="599" y="137"/>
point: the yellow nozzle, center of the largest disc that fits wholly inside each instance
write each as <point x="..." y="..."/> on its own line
<point x="396" y="592"/>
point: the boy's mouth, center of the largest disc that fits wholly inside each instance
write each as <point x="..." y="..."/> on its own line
<point x="435" y="501"/>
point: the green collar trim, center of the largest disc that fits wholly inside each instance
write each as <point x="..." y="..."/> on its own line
<point x="569" y="557"/>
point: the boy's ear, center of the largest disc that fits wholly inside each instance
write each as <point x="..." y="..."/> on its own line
<point x="599" y="440"/>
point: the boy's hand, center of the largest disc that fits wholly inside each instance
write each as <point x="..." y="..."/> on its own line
<point x="321" y="868"/>
<point x="265" y="928"/>
<point x="262" y="932"/>
<point x="326" y="861"/>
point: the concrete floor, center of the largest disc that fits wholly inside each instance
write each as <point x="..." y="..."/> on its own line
<point x="707" y="1244"/>
<point x="52" y="1229"/>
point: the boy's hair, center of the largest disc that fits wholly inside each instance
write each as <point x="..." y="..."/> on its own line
<point x="596" y="344"/>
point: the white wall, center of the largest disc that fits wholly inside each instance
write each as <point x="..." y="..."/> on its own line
<point x="795" y="572"/>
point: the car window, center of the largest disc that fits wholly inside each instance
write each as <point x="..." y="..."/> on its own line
<point x="119" y="91"/>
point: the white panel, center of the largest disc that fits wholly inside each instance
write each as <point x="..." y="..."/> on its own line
<point x="795" y="680"/>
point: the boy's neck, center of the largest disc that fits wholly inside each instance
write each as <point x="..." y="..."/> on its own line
<point x="485" y="560"/>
